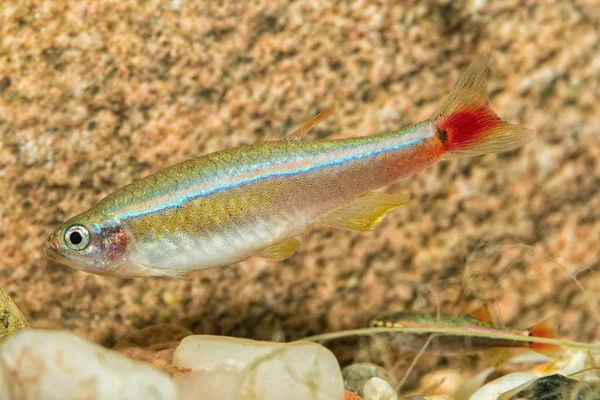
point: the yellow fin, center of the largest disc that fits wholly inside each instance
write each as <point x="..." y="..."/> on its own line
<point x="150" y="271"/>
<point x="298" y="133"/>
<point x="365" y="213"/>
<point x="496" y="356"/>
<point x="279" y="251"/>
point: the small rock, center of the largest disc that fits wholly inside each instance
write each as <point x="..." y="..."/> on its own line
<point x="495" y="388"/>
<point x="11" y="318"/>
<point x="351" y="396"/>
<point x="215" y="367"/>
<point x="378" y="389"/>
<point x="59" y="365"/>
<point x="571" y="361"/>
<point x="554" y="387"/>
<point x="356" y="375"/>
<point x="442" y="381"/>
<point x="4" y="389"/>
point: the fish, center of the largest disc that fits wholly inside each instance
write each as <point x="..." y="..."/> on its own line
<point x="480" y="321"/>
<point x="255" y="200"/>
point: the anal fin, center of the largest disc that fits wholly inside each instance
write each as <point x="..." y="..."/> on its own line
<point x="279" y="251"/>
<point x="496" y="356"/>
<point x="366" y="212"/>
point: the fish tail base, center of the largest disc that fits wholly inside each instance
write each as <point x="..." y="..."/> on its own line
<point x="466" y="124"/>
<point x="544" y="330"/>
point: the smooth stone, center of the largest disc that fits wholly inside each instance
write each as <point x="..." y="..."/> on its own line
<point x="554" y="387"/>
<point x="222" y="368"/>
<point x="4" y="389"/>
<point x="161" y="359"/>
<point x="570" y="361"/>
<point x="356" y="375"/>
<point x="378" y="389"/>
<point x="493" y="389"/>
<point x="54" y="365"/>
<point x="352" y="396"/>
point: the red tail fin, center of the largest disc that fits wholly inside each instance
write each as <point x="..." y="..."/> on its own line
<point x="543" y="330"/>
<point x="466" y="123"/>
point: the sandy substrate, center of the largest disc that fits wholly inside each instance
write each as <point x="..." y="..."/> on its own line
<point x="93" y="96"/>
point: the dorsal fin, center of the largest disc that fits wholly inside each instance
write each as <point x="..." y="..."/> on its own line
<point x="483" y="314"/>
<point x="298" y="133"/>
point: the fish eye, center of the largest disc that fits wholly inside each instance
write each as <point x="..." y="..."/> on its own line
<point x="77" y="237"/>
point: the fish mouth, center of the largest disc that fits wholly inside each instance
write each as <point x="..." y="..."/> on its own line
<point x="51" y="250"/>
<point x="53" y="253"/>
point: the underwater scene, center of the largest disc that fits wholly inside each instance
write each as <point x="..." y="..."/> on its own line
<point x="311" y="200"/>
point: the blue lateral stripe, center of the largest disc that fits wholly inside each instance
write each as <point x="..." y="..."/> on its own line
<point x="203" y="193"/>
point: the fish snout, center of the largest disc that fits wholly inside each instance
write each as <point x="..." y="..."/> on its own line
<point x="51" y="249"/>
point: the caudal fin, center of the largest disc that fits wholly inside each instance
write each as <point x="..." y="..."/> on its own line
<point x="466" y="123"/>
<point x="544" y="330"/>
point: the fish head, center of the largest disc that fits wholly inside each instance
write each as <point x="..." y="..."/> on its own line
<point x="91" y="244"/>
<point x="377" y="323"/>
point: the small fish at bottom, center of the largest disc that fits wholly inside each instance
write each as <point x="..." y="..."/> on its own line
<point x="479" y="321"/>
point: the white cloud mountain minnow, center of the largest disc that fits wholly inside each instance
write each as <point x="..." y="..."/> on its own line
<point x="480" y="321"/>
<point x="254" y="200"/>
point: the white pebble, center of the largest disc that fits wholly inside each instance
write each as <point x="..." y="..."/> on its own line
<point x="216" y="367"/>
<point x="4" y="389"/>
<point x="52" y="365"/>
<point x="378" y="389"/>
<point x="495" y="388"/>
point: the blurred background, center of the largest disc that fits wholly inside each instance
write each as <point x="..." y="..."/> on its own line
<point x="96" y="94"/>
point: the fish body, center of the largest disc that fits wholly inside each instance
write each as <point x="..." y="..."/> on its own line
<point x="222" y="208"/>
<point x="451" y="343"/>
<point x="480" y="322"/>
<point x="225" y="207"/>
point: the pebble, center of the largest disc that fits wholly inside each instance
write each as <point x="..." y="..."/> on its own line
<point x="52" y="365"/>
<point x="554" y="387"/>
<point x="356" y="375"/>
<point x="570" y="361"/>
<point x="4" y="390"/>
<point x="215" y="367"/>
<point x="378" y="389"/>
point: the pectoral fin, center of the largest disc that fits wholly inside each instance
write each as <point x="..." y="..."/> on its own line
<point x="365" y="213"/>
<point x="146" y="270"/>
<point x="279" y="251"/>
